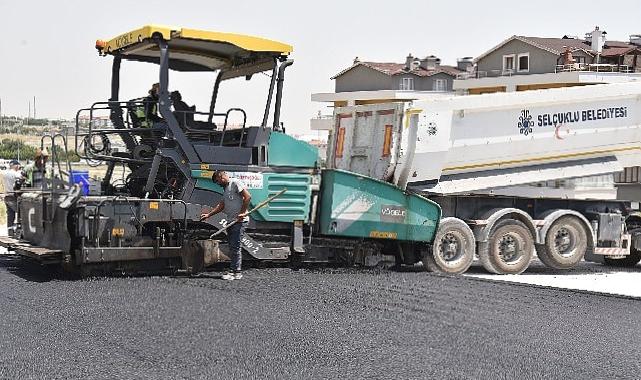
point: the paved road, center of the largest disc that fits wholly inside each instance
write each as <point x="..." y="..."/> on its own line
<point x="277" y="323"/>
<point x="585" y="276"/>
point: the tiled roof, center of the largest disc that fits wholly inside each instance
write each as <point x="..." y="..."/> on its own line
<point x="558" y="45"/>
<point x="617" y="51"/>
<point x="391" y="69"/>
<point x="611" y="48"/>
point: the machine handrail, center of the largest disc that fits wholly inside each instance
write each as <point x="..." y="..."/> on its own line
<point x="109" y="105"/>
<point x="186" y="126"/>
<point x="54" y="161"/>
<point x="229" y="111"/>
<point x="86" y="137"/>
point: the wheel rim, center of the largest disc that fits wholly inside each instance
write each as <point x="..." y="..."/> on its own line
<point x="510" y="248"/>
<point x="451" y="247"/>
<point x="565" y="241"/>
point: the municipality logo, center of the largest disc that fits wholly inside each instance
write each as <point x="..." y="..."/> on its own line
<point x="525" y="123"/>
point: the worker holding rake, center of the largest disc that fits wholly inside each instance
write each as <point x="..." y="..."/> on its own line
<point x="234" y="203"/>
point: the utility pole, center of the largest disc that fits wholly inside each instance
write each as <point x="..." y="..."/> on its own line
<point x="18" y="131"/>
<point x="34" y="107"/>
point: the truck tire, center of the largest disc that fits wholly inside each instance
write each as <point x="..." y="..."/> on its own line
<point x="565" y="244"/>
<point x="509" y="249"/>
<point x="453" y="248"/>
<point x="628" y="261"/>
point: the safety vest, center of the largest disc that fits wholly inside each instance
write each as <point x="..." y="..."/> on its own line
<point x="139" y="110"/>
<point x="142" y="117"/>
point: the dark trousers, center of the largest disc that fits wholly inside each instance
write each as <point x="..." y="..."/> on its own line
<point x="235" y="233"/>
<point x="11" y="205"/>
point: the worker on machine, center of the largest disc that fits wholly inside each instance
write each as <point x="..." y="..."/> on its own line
<point x="235" y="203"/>
<point x="35" y="172"/>
<point x="184" y="114"/>
<point x="144" y="111"/>
<point x="10" y="177"/>
<point x="151" y="105"/>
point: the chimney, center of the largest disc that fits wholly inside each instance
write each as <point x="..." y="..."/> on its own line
<point x="635" y="39"/>
<point x="465" y="64"/>
<point x="568" y="58"/>
<point x="430" y="62"/>
<point x="408" y="62"/>
<point x="597" y="40"/>
<point x="416" y="63"/>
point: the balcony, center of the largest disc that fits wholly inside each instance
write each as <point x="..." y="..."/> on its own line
<point x="486" y="74"/>
<point x="596" y="68"/>
<point x="581" y="67"/>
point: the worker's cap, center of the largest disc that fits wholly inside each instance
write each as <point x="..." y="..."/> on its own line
<point x="42" y="152"/>
<point x="14" y="162"/>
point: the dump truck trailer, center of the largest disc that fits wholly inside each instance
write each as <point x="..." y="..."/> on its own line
<point x="489" y="161"/>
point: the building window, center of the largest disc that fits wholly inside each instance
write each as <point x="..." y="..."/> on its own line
<point x="524" y="62"/>
<point x="508" y="63"/>
<point x="439" y="85"/>
<point x="407" y="84"/>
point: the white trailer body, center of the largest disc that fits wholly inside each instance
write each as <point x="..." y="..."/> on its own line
<point x="475" y="155"/>
<point x="469" y="143"/>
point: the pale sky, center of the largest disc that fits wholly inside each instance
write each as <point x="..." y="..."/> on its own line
<point x="47" y="47"/>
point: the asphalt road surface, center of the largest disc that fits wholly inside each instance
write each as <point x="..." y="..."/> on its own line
<point x="331" y="323"/>
<point x="585" y="276"/>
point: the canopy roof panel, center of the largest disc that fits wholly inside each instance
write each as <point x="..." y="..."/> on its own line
<point x="196" y="50"/>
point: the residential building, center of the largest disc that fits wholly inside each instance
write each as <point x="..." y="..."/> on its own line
<point x="532" y="63"/>
<point x="522" y="63"/>
<point x="426" y="74"/>
<point x="376" y="82"/>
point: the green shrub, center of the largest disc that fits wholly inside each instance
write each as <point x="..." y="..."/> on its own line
<point x="9" y="150"/>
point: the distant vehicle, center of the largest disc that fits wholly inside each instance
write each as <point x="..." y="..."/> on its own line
<point x="4" y="164"/>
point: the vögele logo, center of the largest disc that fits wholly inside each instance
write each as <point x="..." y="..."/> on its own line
<point x="393" y="213"/>
<point x="525" y="123"/>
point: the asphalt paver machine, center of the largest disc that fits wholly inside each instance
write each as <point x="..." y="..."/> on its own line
<point x="149" y="221"/>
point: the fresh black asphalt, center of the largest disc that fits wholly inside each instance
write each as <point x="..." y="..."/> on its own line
<point x="329" y="323"/>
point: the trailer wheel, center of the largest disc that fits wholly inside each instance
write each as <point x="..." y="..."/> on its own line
<point x="565" y="244"/>
<point x="453" y="248"/>
<point x="509" y="249"/>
